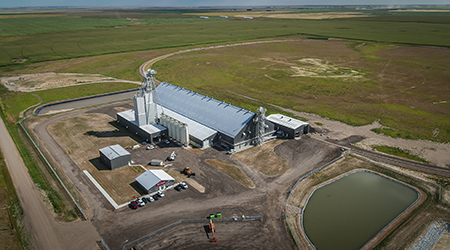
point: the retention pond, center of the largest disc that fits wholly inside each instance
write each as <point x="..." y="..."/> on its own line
<point x="349" y="212"/>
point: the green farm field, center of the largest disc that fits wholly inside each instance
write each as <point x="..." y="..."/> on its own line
<point x="359" y="81"/>
<point x="42" y="38"/>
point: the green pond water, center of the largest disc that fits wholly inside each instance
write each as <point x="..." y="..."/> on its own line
<point x="347" y="213"/>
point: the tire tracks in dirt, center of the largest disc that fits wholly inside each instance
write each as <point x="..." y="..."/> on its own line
<point x="47" y="233"/>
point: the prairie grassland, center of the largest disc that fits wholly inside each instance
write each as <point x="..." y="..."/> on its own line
<point x="15" y="25"/>
<point x="399" y="152"/>
<point x="109" y="38"/>
<point x="404" y="87"/>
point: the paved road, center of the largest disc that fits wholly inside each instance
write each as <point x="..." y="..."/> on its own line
<point x="85" y="102"/>
<point x="46" y="232"/>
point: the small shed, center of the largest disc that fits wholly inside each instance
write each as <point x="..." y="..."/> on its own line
<point x="155" y="180"/>
<point x="114" y="156"/>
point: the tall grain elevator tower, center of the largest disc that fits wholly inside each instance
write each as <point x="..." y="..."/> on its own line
<point x="145" y="101"/>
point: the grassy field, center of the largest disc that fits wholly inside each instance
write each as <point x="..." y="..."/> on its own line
<point x="10" y="235"/>
<point x="73" y="134"/>
<point x="399" y="152"/>
<point x="404" y="87"/>
<point x="78" y="37"/>
<point x="15" y="102"/>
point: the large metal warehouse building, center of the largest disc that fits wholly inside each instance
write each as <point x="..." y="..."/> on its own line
<point x="202" y="121"/>
<point x="114" y="156"/>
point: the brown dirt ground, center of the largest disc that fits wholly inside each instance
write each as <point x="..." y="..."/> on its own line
<point x="264" y="159"/>
<point x="327" y="15"/>
<point x="34" y="82"/>
<point x="195" y="150"/>
<point x="195" y="236"/>
<point x="280" y="15"/>
<point x="221" y="193"/>
<point x="443" y="243"/>
<point x="181" y="177"/>
<point x="233" y="171"/>
<point x="8" y="234"/>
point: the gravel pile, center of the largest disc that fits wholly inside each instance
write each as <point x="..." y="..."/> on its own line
<point x="435" y="231"/>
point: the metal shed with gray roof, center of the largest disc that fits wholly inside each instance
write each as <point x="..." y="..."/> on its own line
<point x="114" y="156"/>
<point x="155" y="180"/>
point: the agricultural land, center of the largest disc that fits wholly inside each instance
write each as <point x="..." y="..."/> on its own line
<point x="375" y="74"/>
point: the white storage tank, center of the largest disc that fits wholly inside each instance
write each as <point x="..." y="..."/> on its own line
<point x="184" y="134"/>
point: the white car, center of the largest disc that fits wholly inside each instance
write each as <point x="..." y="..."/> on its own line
<point x="166" y="141"/>
<point x="150" y="147"/>
<point x="183" y="185"/>
<point x="160" y="194"/>
<point x="140" y="203"/>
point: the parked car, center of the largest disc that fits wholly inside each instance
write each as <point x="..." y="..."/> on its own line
<point x="145" y="200"/>
<point x="134" y="204"/>
<point x="156" y="197"/>
<point x="183" y="185"/>
<point x="166" y="141"/>
<point x="150" y="147"/>
<point x="150" y="199"/>
<point x="140" y="203"/>
<point x="160" y="194"/>
<point x="178" y="188"/>
<point x="231" y="151"/>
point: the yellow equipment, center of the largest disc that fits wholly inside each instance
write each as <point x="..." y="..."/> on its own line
<point x="187" y="172"/>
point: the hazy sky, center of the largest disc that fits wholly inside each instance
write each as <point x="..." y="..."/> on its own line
<point x="31" y="3"/>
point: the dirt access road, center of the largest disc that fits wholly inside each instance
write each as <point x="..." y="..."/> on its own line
<point x="47" y="233"/>
<point x="222" y="193"/>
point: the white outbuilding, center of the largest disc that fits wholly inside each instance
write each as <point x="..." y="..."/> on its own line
<point x="155" y="180"/>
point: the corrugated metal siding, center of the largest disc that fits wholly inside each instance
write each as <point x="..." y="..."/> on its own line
<point x="220" y="116"/>
<point x="114" y="151"/>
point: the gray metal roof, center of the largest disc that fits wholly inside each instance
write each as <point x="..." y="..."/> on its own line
<point x="114" y="151"/>
<point x="286" y="121"/>
<point x="152" y="177"/>
<point x="220" y="116"/>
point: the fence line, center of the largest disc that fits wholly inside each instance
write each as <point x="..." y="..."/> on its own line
<point x="54" y="172"/>
<point x="189" y="221"/>
<point x="104" y="243"/>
